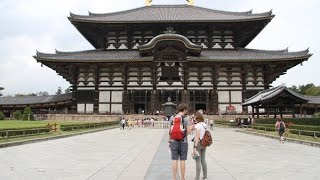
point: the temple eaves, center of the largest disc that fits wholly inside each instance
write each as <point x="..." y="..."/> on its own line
<point x="148" y="2"/>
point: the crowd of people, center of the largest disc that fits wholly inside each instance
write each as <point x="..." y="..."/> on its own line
<point x="137" y="123"/>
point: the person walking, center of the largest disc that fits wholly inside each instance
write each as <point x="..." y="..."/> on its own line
<point x="280" y="127"/>
<point x="179" y="128"/>
<point x="199" y="151"/>
<point x="123" y="123"/>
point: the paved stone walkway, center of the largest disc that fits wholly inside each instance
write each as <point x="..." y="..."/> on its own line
<point x="143" y="154"/>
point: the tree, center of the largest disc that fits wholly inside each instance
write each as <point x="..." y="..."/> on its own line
<point x="308" y="89"/>
<point x="17" y="115"/>
<point x="2" y="116"/>
<point x="59" y="91"/>
<point x="304" y="88"/>
<point x="32" y="94"/>
<point x="313" y="91"/>
<point x="66" y="91"/>
<point x="27" y="114"/>
<point x="1" y="88"/>
<point x="43" y="93"/>
<point x="295" y="89"/>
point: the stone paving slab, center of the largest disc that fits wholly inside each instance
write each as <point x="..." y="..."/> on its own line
<point x="143" y="154"/>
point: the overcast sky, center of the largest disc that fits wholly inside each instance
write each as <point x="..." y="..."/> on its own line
<point x="27" y="26"/>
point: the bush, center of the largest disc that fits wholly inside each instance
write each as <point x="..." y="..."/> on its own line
<point x="316" y="115"/>
<point x="27" y="114"/>
<point x="17" y="115"/>
<point x="2" y="116"/>
<point x="296" y="121"/>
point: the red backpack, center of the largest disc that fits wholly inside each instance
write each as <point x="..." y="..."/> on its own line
<point x="207" y="138"/>
<point x="177" y="131"/>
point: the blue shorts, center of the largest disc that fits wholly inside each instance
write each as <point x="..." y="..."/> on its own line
<point x="179" y="150"/>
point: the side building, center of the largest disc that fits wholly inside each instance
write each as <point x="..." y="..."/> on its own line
<point x="191" y="54"/>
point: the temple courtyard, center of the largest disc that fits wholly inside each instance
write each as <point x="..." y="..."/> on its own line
<point x="143" y="154"/>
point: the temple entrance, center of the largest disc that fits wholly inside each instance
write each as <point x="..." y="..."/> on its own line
<point x="139" y="108"/>
<point x="200" y="106"/>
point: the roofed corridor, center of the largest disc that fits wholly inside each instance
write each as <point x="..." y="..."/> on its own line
<point x="142" y="154"/>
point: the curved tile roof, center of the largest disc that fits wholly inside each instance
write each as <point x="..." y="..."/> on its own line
<point x="313" y="99"/>
<point x="229" y="55"/>
<point x="28" y="100"/>
<point x="194" y="48"/>
<point x="171" y="13"/>
<point x="270" y="93"/>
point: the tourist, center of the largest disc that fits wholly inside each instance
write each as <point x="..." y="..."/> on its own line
<point x="179" y="148"/>
<point x="199" y="152"/>
<point x="123" y="123"/>
<point x="211" y="124"/>
<point x="280" y="127"/>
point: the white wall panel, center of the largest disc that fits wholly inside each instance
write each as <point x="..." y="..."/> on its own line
<point x="104" y="96"/>
<point x="103" y="108"/>
<point x="116" y="108"/>
<point x="80" y="108"/>
<point x="236" y="96"/>
<point x="116" y="96"/>
<point x="89" y="108"/>
<point x="223" y="96"/>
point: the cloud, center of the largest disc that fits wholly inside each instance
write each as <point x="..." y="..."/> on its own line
<point x="27" y="26"/>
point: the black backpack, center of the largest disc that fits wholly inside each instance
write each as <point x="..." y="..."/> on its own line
<point x="281" y="128"/>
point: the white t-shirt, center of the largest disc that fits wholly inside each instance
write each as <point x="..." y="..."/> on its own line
<point x="202" y="128"/>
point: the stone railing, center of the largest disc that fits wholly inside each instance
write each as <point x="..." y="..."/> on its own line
<point x="84" y="118"/>
<point x="108" y="118"/>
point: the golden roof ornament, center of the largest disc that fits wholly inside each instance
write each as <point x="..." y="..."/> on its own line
<point x="190" y="2"/>
<point x="148" y="2"/>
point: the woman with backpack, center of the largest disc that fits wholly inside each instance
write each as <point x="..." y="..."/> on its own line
<point x="280" y="127"/>
<point x="199" y="151"/>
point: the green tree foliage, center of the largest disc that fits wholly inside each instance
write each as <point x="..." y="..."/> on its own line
<point x="295" y="88"/>
<point x="313" y="91"/>
<point x="27" y="114"/>
<point x="2" y="116"/>
<point x="43" y="93"/>
<point x="66" y="91"/>
<point x="308" y="89"/>
<point x="316" y="115"/>
<point x="17" y="115"/>
<point x="59" y="91"/>
<point x="1" y="88"/>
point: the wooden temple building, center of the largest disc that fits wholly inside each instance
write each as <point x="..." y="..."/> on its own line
<point x="279" y="101"/>
<point x="191" y="54"/>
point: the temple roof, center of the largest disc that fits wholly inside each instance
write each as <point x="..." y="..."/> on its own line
<point x="170" y="13"/>
<point x="168" y="39"/>
<point x="230" y="55"/>
<point x="313" y="99"/>
<point x="28" y="100"/>
<point x="268" y="94"/>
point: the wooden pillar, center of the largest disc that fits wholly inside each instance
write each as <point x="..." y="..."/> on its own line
<point x="73" y="70"/>
<point x="258" y="113"/>
<point x="125" y="102"/>
<point x="252" y="107"/>
<point x="293" y="112"/>
<point x="275" y="112"/>
<point x="125" y="94"/>
<point x="209" y="36"/>
<point x="215" y="103"/>
<point x="207" y="102"/>
<point x="96" y="74"/>
<point x="267" y="111"/>
<point x="244" y="76"/>
<point x="188" y="99"/>
<point x="281" y="114"/>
